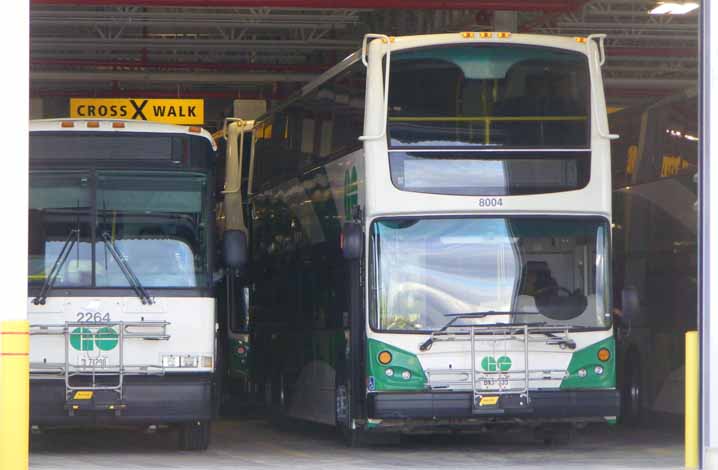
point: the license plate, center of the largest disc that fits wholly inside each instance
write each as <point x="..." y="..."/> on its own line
<point x="493" y="382"/>
<point x="83" y="395"/>
<point x="489" y="401"/>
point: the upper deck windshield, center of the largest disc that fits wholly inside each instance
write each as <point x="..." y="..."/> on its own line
<point x="489" y="95"/>
<point x="156" y="221"/>
<point x="543" y="270"/>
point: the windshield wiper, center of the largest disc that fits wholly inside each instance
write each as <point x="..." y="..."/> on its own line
<point x="460" y="316"/>
<point x="126" y="270"/>
<point x="72" y="238"/>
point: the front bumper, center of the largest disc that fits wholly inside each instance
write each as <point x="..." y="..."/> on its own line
<point x="171" y="398"/>
<point x="587" y="405"/>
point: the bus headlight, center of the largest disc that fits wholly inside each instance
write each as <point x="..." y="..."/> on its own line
<point x="582" y="373"/>
<point x="187" y="361"/>
<point x="598" y="370"/>
<point x="170" y="361"/>
<point x="389" y="372"/>
<point x="406" y="375"/>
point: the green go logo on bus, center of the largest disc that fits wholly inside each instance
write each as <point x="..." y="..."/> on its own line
<point x="85" y="339"/>
<point x="492" y="364"/>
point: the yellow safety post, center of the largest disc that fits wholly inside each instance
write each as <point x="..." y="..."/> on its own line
<point x="692" y="400"/>
<point x="14" y="394"/>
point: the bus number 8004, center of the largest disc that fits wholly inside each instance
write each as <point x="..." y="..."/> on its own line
<point x="491" y="202"/>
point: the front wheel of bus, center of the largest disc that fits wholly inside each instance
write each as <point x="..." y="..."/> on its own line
<point x="353" y="438"/>
<point x="632" y="392"/>
<point x="194" y="435"/>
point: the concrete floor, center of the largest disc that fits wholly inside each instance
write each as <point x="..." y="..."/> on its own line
<point x="254" y="443"/>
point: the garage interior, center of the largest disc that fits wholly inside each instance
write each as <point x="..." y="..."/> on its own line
<point x="227" y="50"/>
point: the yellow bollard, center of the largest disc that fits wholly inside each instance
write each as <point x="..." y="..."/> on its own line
<point x="691" y="400"/>
<point x="14" y="394"/>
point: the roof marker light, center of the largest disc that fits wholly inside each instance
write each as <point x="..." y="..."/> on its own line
<point x="195" y="129"/>
<point x="467" y="34"/>
<point x="485" y="35"/>
<point x="503" y="35"/>
<point x="93" y="124"/>
<point x="67" y="124"/>
<point x="118" y="125"/>
<point x="581" y="40"/>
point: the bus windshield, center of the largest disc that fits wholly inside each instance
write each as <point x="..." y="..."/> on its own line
<point x="544" y="270"/>
<point x="157" y="223"/>
<point x="489" y="95"/>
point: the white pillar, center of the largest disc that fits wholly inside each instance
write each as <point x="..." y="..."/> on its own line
<point x="709" y="236"/>
<point x="14" y="340"/>
<point x="14" y="127"/>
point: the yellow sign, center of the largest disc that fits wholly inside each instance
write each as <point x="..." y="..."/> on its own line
<point x="169" y="111"/>
<point x="488" y="401"/>
<point x="83" y="395"/>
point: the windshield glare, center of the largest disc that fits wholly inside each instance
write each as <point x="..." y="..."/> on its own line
<point x="156" y="221"/>
<point x="550" y="270"/>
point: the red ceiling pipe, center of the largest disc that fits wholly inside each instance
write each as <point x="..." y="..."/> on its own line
<point x="179" y="65"/>
<point x="229" y="94"/>
<point x="534" y="5"/>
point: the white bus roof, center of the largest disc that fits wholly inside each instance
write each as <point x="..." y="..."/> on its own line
<point x="575" y="43"/>
<point x="106" y="125"/>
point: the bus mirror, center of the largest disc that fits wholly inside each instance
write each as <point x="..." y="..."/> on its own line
<point x="235" y="249"/>
<point x="352" y="240"/>
<point x="630" y="302"/>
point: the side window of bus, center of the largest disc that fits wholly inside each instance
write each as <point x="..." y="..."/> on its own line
<point x="273" y="144"/>
<point x="669" y="142"/>
<point x="339" y="111"/>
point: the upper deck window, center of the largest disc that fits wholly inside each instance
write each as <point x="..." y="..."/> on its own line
<point x="489" y="95"/>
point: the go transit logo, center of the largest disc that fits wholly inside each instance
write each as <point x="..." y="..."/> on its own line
<point x="85" y="339"/>
<point x="492" y="364"/>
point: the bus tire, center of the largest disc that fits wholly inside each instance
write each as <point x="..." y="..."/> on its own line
<point x="632" y="392"/>
<point x="194" y="435"/>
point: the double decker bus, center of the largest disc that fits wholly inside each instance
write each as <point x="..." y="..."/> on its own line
<point x="655" y="250"/>
<point x="121" y="251"/>
<point x="430" y="238"/>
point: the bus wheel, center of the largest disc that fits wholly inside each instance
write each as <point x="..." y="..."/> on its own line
<point x="194" y="435"/>
<point x="352" y="437"/>
<point x="632" y="393"/>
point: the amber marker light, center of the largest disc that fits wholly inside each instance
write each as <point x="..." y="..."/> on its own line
<point x="93" y="124"/>
<point x="484" y="35"/>
<point x="467" y="35"/>
<point x="384" y="357"/>
<point x="118" y="125"/>
<point x="581" y="40"/>
<point x="604" y="354"/>
<point x="67" y="124"/>
<point x="195" y="129"/>
<point x="503" y="35"/>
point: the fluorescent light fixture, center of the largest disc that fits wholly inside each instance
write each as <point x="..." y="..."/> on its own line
<point x="670" y="8"/>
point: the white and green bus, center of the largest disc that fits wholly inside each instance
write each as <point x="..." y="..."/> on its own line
<point x="120" y="292"/>
<point x="429" y="243"/>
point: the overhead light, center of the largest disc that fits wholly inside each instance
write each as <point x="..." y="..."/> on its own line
<point x="670" y="8"/>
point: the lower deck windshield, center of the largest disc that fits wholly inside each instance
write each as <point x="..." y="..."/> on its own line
<point x="546" y="270"/>
<point x="152" y="222"/>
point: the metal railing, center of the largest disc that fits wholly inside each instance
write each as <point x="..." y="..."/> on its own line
<point x="92" y="375"/>
<point x="492" y="341"/>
